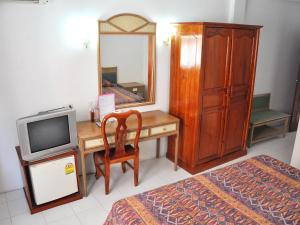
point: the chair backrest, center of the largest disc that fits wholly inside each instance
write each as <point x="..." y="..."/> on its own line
<point x="261" y="102"/>
<point x="121" y="130"/>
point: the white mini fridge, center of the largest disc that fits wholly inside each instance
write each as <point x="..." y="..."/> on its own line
<point x="53" y="179"/>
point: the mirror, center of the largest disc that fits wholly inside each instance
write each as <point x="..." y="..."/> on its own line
<point x="127" y="60"/>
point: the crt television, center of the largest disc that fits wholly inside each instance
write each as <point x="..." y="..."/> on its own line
<point x="47" y="133"/>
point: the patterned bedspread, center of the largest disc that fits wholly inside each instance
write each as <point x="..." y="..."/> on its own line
<point x="260" y="190"/>
<point x="122" y="96"/>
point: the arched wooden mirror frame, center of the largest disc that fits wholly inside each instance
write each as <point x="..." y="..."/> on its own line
<point x="128" y="24"/>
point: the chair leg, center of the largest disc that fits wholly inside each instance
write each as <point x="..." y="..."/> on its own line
<point x="107" y="175"/>
<point x="136" y="171"/>
<point x="98" y="173"/>
<point x="123" y="167"/>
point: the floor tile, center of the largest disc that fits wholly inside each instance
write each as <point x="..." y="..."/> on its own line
<point x="3" y="203"/>
<point x="95" y="216"/>
<point x="122" y="188"/>
<point x="58" y="213"/>
<point x="2" y="198"/>
<point x="4" y="212"/>
<point x="28" y="219"/>
<point x="5" y="222"/>
<point x="106" y="201"/>
<point x="279" y="148"/>
<point x="15" y="195"/>
<point x="84" y="204"/>
<point x="68" y="220"/>
<point x="18" y="207"/>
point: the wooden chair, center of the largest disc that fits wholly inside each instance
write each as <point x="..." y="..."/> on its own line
<point x="121" y="153"/>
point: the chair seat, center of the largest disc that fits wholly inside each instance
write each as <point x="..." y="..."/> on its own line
<point x="266" y="116"/>
<point x="113" y="155"/>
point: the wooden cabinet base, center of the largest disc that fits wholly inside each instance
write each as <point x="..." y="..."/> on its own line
<point x="207" y="165"/>
<point x="28" y="190"/>
<point x="38" y="208"/>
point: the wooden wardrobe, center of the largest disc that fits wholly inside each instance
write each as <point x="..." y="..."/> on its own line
<point x="211" y="88"/>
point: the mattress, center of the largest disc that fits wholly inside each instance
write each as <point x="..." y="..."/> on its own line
<point x="122" y="96"/>
<point x="260" y="190"/>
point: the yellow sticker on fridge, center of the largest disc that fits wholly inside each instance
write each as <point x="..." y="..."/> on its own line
<point x="69" y="168"/>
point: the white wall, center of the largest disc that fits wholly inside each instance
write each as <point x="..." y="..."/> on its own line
<point x="279" y="50"/>
<point x="129" y="53"/>
<point x="237" y="11"/>
<point x="295" y="161"/>
<point x="43" y="63"/>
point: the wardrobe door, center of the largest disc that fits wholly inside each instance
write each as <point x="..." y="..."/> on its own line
<point x="239" y="91"/>
<point x="214" y="79"/>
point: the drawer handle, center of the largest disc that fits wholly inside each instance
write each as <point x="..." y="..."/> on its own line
<point x="164" y="129"/>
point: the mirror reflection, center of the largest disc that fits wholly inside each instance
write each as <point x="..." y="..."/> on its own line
<point x="124" y="65"/>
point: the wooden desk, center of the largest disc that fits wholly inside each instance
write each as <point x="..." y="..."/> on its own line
<point x="134" y="87"/>
<point x="155" y="124"/>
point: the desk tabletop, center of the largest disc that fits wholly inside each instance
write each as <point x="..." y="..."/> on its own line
<point x="89" y="130"/>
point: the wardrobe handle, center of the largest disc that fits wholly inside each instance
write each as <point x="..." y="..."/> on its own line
<point x="229" y="91"/>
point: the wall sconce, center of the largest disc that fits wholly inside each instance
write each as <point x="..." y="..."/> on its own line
<point x="87" y="44"/>
<point x="167" y="41"/>
<point x="169" y="31"/>
<point x="81" y="32"/>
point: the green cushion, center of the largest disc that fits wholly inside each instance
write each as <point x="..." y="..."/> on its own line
<point x="265" y="116"/>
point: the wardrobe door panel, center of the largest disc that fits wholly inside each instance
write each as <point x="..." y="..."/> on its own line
<point x="211" y="135"/>
<point x="216" y="57"/>
<point x="243" y="48"/>
<point x="213" y="100"/>
<point x="237" y="113"/>
<point x="242" y="54"/>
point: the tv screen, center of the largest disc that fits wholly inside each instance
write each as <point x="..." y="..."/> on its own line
<point x="49" y="133"/>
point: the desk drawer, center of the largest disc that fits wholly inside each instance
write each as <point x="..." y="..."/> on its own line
<point x="98" y="142"/>
<point x="131" y="135"/>
<point x="163" y="129"/>
<point x="111" y="139"/>
<point x="93" y="143"/>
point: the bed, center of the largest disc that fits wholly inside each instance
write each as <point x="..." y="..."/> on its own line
<point x="110" y="86"/>
<point x="122" y="96"/>
<point x="260" y="190"/>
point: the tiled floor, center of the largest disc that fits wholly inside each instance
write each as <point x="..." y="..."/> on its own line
<point x="93" y="209"/>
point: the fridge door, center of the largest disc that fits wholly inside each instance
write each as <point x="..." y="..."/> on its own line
<point x="54" y="179"/>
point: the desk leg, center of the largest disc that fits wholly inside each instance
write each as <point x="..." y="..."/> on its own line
<point x="158" y="148"/>
<point x="83" y="169"/>
<point x="176" y="152"/>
